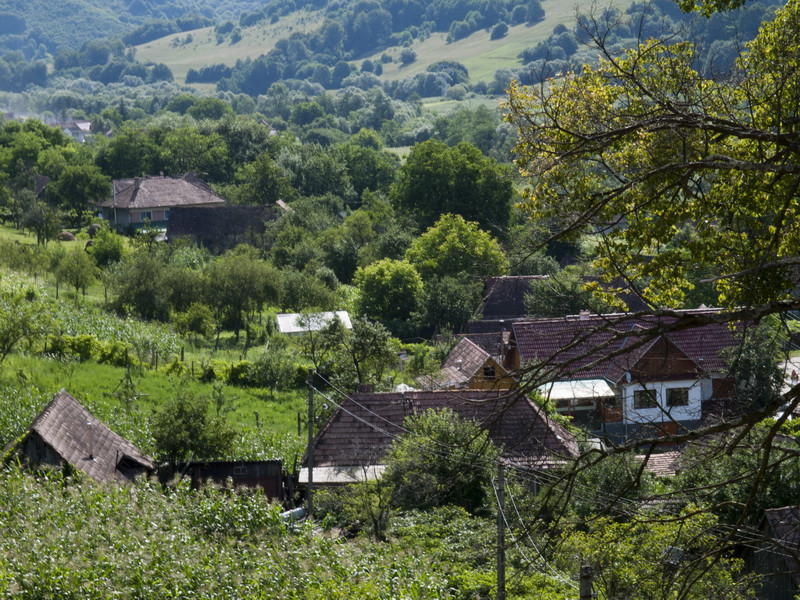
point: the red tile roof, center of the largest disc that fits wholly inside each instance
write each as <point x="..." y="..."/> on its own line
<point x="594" y="346"/>
<point x="362" y="429"/>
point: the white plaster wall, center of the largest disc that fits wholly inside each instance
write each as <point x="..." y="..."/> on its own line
<point x="698" y="390"/>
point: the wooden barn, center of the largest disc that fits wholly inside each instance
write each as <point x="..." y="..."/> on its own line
<point x="66" y="435"/>
<point x="220" y="228"/>
<point x="266" y="475"/>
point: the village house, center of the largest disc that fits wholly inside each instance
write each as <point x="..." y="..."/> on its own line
<point x="354" y="442"/>
<point x="470" y="366"/>
<point x="66" y="435"/>
<point x="618" y="380"/>
<point x="141" y="200"/>
<point x="77" y="130"/>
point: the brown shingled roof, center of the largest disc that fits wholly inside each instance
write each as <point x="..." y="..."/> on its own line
<point x="579" y="344"/>
<point x="362" y="429"/>
<point x="84" y="442"/>
<point x="664" y="463"/>
<point x="466" y="357"/>
<point x="154" y="192"/>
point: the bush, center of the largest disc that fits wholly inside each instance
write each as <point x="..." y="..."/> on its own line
<point x="407" y="56"/>
<point x="83" y="346"/>
<point x="107" y="247"/>
<point x="499" y="31"/>
<point x="443" y="459"/>
<point x="116" y="353"/>
<point x="240" y="373"/>
<point x="186" y="429"/>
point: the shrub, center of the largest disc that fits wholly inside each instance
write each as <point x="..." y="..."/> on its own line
<point x="117" y="354"/>
<point x="82" y="346"/>
<point x="176" y="367"/>
<point x="499" y="31"/>
<point x="407" y="56"/>
<point x="240" y="373"/>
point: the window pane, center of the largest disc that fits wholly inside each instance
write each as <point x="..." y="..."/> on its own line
<point x="644" y="399"/>
<point x="677" y="397"/>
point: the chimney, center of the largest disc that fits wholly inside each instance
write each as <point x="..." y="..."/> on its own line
<point x="459" y="362"/>
<point x="364" y="388"/>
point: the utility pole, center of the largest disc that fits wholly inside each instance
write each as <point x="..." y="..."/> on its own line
<point x="501" y="532"/>
<point x="310" y="452"/>
<point x="586" y="582"/>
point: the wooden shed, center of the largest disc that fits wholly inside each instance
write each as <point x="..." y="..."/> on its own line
<point x="65" y="433"/>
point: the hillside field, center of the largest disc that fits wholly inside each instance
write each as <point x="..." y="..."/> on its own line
<point x="477" y="52"/>
<point x="204" y="49"/>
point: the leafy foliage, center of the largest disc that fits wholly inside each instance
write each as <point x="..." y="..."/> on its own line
<point x="436" y="180"/>
<point x="441" y="459"/>
<point x="185" y="429"/>
<point x="454" y="247"/>
<point x="666" y="169"/>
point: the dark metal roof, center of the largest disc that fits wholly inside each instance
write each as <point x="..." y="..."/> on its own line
<point x="505" y="296"/>
<point x="84" y="442"/>
<point x="362" y="429"/>
<point x="161" y="191"/>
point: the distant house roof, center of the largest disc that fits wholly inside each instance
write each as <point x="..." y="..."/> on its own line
<point x="579" y="346"/>
<point x="493" y="342"/>
<point x="505" y="296"/>
<point x="464" y="362"/>
<point x="293" y="322"/>
<point x="361" y="430"/>
<point x="161" y="191"/>
<point x="81" y="440"/>
<point x="663" y="463"/>
<point x="466" y="358"/>
<point x="39" y="184"/>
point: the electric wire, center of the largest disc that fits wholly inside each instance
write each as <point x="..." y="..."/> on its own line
<point x="627" y="506"/>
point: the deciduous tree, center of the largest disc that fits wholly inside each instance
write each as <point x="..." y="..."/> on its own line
<point x="454" y="247"/>
<point x="437" y="179"/>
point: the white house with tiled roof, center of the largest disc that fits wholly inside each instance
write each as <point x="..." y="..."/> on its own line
<point x="625" y="375"/>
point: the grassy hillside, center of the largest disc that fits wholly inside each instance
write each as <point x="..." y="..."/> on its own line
<point x="70" y="23"/>
<point x="477" y="52"/>
<point x="203" y="50"/>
